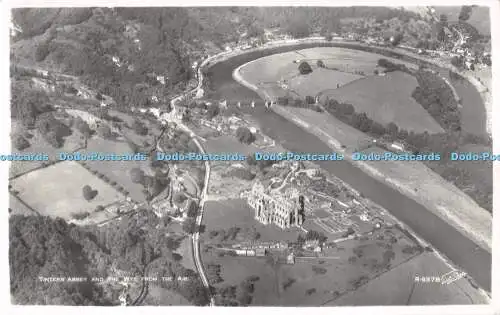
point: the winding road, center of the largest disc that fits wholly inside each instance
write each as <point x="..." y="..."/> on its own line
<point x="195" y="238"/>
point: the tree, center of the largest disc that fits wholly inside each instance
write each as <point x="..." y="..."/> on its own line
<point x="320" y="64"/>
<point x="192" y="211"/>
<point x="52" y="138"/>
<point x="441" y="35"/>
<point x="244" y="135"/>
<point x="465" y="13"/>
<point x="255" y="31"/>
<point x="377" y="129"/>
<point x="396" y="39"/>
<point x="71" y="90"/>
<point x="443" y="20"/>
<point x="139" y="128"/>
<point x="305" y="68"/>
<point x="457" y="62"/>
<point x="137" y="175"/>
<point x="309" y="99"/>
<point x="212" y="111"/>
<point x="104" y="131"/>
<point x="20" y="143"/>
<point x="27" y="104"/>
<point x="189" y="226"/>
<point x="41" y="52"/>
<point x="88" y="193"/>
<point x="102" y="113"/>
<point x="83" y="127"/>
<point x="393" y="129"/>
<point x="299" y="28"/>
<point x="179" y="198"/>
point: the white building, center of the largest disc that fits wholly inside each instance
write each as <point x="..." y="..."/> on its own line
<point x="116" y="61"/>
<point x="161" y="79"/>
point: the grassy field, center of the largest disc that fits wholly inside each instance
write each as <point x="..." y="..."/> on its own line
<point x="320" y="80"/>
<point x="387" y="99"/>
<point x="57" y="190"/>
<point x="272" y="68"/>
<point x="236" y="213"/>
<point x="118" y="171"/>
<point x="395" y="287"/>
<point x="348" y="60"/>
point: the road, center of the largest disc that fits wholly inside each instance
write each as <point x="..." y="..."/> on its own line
<point x="195" y="238"/>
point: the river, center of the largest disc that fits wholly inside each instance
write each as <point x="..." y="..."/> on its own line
<point x="445" y="238"/>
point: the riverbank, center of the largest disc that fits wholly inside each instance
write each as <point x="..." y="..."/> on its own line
<point x="413" y="179"/>
<point x="480" y="127"/>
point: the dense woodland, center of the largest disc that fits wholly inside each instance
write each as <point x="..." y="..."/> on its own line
<point x="46" y="247"/>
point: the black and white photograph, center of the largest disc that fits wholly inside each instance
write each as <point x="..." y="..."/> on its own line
<point x="278" y="156"/>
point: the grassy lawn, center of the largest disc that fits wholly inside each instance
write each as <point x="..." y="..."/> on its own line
<point x="57" y="190"/>
<point x="394" y="104"/>
<point x="394" y="287"/>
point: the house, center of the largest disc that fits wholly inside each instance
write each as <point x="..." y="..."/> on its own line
<point x="318" y="249"/>
<point x="398" y="146"/>
<point x="161" y="79"/>
<point x="311" y="244"/>
<point x="43" y="73"/>
<point x="245" y="252"/>
<point x="116" y="61"/>
<point x="364" y="217"/>
<point x="260" y="252"/>
<point x="223" y="104"/>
